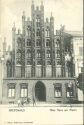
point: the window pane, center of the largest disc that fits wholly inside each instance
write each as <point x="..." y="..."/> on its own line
<point x="9" y="93"/>
<point x="22" y="92"/>
<point x="12" y="92"/>
<point x="25" y="92"/>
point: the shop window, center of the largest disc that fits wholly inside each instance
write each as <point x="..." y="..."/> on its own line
<point x="58" y="90"/>
<point x="24" y="90"/>
<point x="11" y="91"/>
<point x="69" y="90"/>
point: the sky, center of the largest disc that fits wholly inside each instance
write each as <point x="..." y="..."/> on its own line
<point x="65" y="12"/>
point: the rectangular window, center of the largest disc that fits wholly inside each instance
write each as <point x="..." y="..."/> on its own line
<point x="57" y="90"/>
<point x="11" y="91"/>
<point x="69" y="90"/>
<point x="24" y="89"/>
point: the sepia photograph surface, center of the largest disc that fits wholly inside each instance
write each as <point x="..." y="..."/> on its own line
<point x="41" y="62"/>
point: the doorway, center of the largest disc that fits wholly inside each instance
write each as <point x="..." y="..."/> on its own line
<point x="40" y="91"/>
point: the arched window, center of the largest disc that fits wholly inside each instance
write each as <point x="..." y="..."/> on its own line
<point x="49" y="62"/>
<point x="58" y="62"/>
<point x="28" y="42"/>
<point x="47" y="42"/>
<point x="28" y="62"/>
<point x="38" y="32"/>
<point x="58" y="54"/>
<point x="29" y="31"/>
<point x="28" y="53"/>
<point x="47" y="32"/>
<point x="37" y="22"/>
<point x="39" y="62"/>
<point x="38" y="43"/>
<point x="9" y="69"/>
<point x="48" y="54"/>
<point x="38" y="53"/>
<point x="19" y="42"/>
<point x="18" y="57"/>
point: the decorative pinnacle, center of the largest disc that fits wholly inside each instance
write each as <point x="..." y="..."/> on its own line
<point x="42" y="2"/>
<point x="23" y="13"/>
<point x="62" y="27"/>
<point x="14" y="28"/>
<point x="14" y="24"/>
<point x="4" y="39"/>
<point x="32" y="1"/>
<point x="51" y="14"/>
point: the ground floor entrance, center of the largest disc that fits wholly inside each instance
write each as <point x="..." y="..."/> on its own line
<point x="40" y="91"/>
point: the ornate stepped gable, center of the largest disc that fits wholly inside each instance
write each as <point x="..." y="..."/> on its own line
<point x="38" y="51"/>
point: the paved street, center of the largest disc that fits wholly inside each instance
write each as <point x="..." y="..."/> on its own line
<point x="42" y="104"/>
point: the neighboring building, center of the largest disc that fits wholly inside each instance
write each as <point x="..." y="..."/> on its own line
<point x="78" y="50"/>
<point x="78" y="56"/>
<point x="4" y="52"/>
<point x="40" y="64"/>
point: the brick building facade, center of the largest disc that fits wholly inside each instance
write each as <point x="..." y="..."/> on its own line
<point x="41" y="63"/>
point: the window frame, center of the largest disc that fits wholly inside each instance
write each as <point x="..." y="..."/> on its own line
<point x="23" y="86"/>
<point x="48" y="54"/>
<point x="58" y="85"/>
<point x="70" y="91"/>
<point x="11" y="87"/>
